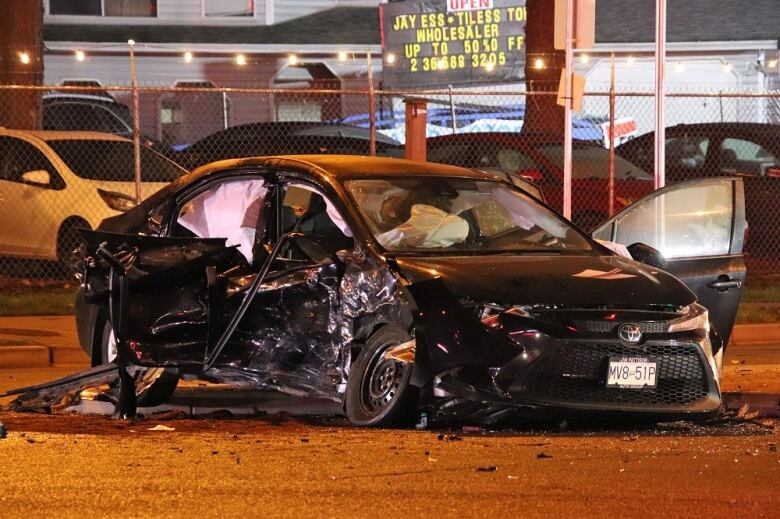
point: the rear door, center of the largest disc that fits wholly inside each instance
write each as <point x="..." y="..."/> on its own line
<point x="699" y="227"/>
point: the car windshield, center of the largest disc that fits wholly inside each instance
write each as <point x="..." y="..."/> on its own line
<point x="113" y="161"/>
<point x="435" y="214"/>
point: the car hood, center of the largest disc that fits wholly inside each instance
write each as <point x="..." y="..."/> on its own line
<point x="585" y="281"/>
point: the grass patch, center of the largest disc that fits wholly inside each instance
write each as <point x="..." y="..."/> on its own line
<point x="38" y="302"/>
<point x="762" y="290"/>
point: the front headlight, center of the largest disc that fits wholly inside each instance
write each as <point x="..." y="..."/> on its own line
<point x="117" y="201"/>
<point x="694" y="317"/>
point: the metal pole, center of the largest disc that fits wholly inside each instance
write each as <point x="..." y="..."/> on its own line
<point x="612" y="136"/>
<point x="761" y="80"/>
<point x="136" y="123"/>
<point x="224" y="110"/>
<point x="567" y="155"/>
<point x="371" y="109"/>
<point x="452" y="112"/>
<point x="660" y="81"/>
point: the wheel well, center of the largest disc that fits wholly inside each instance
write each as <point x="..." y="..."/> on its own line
<point x="72" y="222"/>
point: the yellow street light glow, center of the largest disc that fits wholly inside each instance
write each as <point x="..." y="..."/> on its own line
<point x="131" y="42"/>
<point x="24" y="58"/>
<point x="773" y="63"/>
<point x="80" y="56"/>
<point x="240" y="59"/>
<point x="538" y="63"/>
<point x="390" y="58"/>
<point x="584" y="58"/>
<point x="727" y="68"/>
<point x="292" y="59"/>
<point x="342" y="55"/>
<point x="490" y="66"/>
<point x="188" y="57"/>
<point x="631" y="60"/>
<point x="440" y="63"/>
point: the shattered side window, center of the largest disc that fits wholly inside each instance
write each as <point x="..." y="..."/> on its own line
<point x="229" y="210"/>
<point x="307" y="211"/>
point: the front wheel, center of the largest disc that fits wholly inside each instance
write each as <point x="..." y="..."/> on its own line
<point x="153" y="386"/>
<point x="379" y="392"/>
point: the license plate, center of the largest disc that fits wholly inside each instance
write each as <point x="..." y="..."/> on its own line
<point x="632" y="372"/>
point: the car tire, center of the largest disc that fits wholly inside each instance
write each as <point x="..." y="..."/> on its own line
<point x="379" y="392"/>
<point x="68" y="239"/>
<point x="154" y="386"/>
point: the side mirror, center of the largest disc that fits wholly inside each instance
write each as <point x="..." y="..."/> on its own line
<point x="39" y="176"/>
<point x="534" y="175"/>
<point x="647" y="255"/>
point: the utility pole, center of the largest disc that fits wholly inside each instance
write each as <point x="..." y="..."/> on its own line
<point x="21" y="62"/>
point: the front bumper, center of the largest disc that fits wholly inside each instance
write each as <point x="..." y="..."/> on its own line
<point x="569" y="378"/>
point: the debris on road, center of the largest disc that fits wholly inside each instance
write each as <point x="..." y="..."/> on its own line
<point x="161" y="428"/>
<point x="449" y="437"/>
<point x="491" y="468"/>
<point x="542" y="455"/>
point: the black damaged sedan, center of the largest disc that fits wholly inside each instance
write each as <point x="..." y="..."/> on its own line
<point x="401" y="288"/>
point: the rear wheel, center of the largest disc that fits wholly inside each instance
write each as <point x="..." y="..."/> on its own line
<point x="154" y="386"/>
<point x="379" y="392"/>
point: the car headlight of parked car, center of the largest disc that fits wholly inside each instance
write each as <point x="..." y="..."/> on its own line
<point x="117" y="201"/>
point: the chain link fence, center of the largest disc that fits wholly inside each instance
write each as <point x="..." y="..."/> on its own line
<point x="82" y="169"/>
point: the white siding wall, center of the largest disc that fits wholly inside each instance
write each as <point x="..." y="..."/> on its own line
<point x="171" y="12"/>
<point x="693" y="75"/>
<point x="288" y="9"/>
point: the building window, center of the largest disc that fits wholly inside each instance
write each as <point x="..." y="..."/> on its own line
<point x="228" y="7"/>
<point x="141" y="8"/>
<point x="77" y="7"/>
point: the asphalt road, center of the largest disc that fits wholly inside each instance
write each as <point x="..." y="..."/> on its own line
<point x="277" y="466"/>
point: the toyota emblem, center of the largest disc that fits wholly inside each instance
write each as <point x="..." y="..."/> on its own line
<point x="630" y="333"/>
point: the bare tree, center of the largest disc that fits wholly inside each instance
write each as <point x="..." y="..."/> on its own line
<point x="542" y="114"/>
<point x="21" y="62"/>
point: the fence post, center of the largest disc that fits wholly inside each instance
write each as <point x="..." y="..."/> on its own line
<point x="371" y="108"/>
<point x="612" y="136"/>
<point x="136" y="122"/>
<point x="452" y="112"/>
<point x="224" y="110"/>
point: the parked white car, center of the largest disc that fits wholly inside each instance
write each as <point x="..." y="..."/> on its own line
<point x="53" y="183"/>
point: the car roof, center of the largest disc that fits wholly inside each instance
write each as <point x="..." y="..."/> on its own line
<point x="49" y="135"/>
<point x="285" y="129"/>
<point x="339" y="167"/>
<point x="71" y="97"/>
<point x="533" y="139"/>
<point x="762" y="126"/>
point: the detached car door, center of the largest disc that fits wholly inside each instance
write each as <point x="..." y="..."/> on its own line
<point x="699" y="227"/>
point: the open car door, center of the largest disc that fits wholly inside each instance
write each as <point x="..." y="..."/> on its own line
<point x="699" y="228"/>
<point x="163" y="312"/>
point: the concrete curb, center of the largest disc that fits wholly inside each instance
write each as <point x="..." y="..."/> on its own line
<point x="25" y="357"/>
<point x="755" y="334"/>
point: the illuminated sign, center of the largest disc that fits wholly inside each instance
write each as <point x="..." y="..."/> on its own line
<point x="452" y="42"/>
